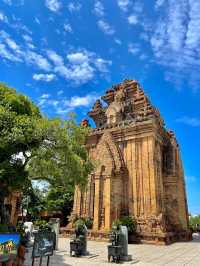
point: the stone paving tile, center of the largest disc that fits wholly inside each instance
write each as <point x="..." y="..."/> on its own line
<point x="178" y="254"/>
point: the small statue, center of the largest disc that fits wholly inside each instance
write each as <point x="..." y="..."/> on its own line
<point x="78" y="244"/>
<point x="97" y="105"/>
<point x="115" y="249"/>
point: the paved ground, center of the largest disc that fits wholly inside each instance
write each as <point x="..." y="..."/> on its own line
<point x="178" y="254"/>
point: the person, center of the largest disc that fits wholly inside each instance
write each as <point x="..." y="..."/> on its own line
<point x="21" y="254"/>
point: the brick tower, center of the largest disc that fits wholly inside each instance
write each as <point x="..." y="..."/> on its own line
<point x="138" y="168"/>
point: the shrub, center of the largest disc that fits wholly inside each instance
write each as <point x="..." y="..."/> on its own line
<point x="130" y="222"/>
<point x="89" y="222"/>
<point x="40" y="223"/>
<point x="82" y="220"/>
<point x="127" y="221"/>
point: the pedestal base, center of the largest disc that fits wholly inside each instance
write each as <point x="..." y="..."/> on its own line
<point x="126" y="258"/>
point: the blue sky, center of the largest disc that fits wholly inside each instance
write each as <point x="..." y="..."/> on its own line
<point x="64" y="54"/>
<point x="5" y="237"/>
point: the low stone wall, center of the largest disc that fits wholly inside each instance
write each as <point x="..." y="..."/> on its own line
<point x="92" y="235"/>
<point x="156" y="239"/>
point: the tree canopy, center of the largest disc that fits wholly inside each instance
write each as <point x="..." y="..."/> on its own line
<point x="21" y="131"/>
<point x="34" y="147"/>
<point x="62" y="158"/>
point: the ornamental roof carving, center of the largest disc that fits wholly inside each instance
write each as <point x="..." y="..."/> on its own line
<point x="125" y="103"/>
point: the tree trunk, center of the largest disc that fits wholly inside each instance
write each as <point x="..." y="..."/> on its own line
<point x="4" y="215"/>
<point x="2" y="209"/>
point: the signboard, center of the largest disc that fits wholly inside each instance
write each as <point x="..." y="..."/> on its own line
<point x="55" y="225"/>
<point x="9" y="243"/>
<point x="44" y="244"/>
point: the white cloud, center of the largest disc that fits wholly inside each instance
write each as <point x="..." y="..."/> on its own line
<point x="27" y="38"/>
<point x="44" y="77"/>
<point x="37" y="21"/>
<point x="81" y="65"/>
<point x="7" y="54"/>
<point x="132" y="19"/>
<point x="193" y="34"/>
<point x="84" y="64"/>
<point x="143" y="57"/>
<point x="102" y="23"/>
<point x="53" y="5"/>
<point x="74" y="7"/>
<point x="64" y="105"/>
<point x="99" y="9"/>
<point x="106" y="27"/>
<point x="9" y="49"/>
<point x="77" y="101"/>
<point x="124" y="4"/>
<point x="138" y="7"/>
<point x="3" y="17"/>
<point x="118" y="41"/>
<point x="60" y="92"/>
<point x="68" y="105"/>
<point x="144" y="36"/>
<point x="29" y="41"/>
<point x="102" y="65"/>
<point x="20" y="27"/>
<point x="67" y="27"/>
<point x="133" y="48"/>
<point x="78" y="57"/>
<point x="176" y="40"/>
<point x="55" y="58"/>
<point x="159" y="3"/>
<point x="14" y="52"/>
<point x="45" y="96"/>
<point x="37" y="60"/>
<point x="190" y="121"/>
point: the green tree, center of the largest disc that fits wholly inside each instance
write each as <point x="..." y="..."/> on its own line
<point x="34" y="147"/>
<point x="22" y="130"/>
<point x="60" y="199"/>
<point x="62" y="159"/>
<point x="194" y="221"/>
<point x="34" y="201"/>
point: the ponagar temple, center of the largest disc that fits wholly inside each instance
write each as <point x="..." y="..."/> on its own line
<point x="138" y="170"/>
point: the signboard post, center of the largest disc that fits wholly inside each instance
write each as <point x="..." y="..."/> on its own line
<point x="44" y="245"/>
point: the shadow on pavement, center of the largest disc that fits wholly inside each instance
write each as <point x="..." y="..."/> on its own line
<point x="57" y="259"/>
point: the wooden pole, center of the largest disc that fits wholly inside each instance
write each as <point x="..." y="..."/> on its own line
<point x="40" y="261"/>
<point x="48" y="261"/>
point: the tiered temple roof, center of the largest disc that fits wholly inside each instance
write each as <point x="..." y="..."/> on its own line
<point x="127" y="103"/>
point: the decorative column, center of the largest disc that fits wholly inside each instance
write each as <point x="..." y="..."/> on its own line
<point x="96" y="204"/>
<point x="107" y="199"/>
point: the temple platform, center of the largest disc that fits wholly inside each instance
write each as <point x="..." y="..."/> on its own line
<point x="156" y="239"/>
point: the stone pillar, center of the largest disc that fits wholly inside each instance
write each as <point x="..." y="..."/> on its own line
<point x="153" y="181"/>
<point x="96" y="204"/>
<point x="107" y="198"/>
